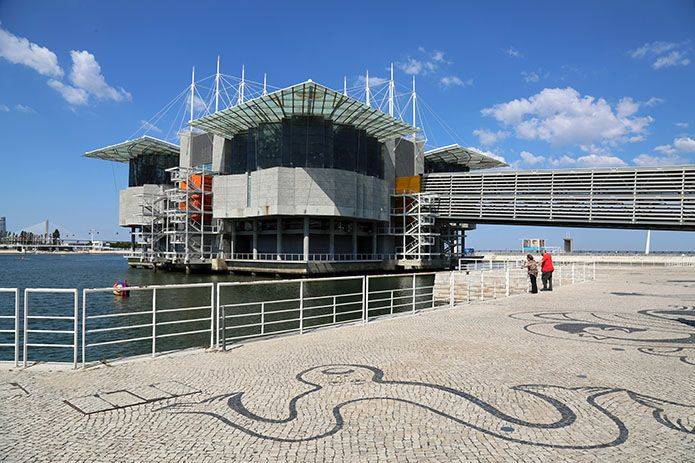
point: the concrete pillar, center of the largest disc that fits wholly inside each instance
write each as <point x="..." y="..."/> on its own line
<point x="255" y="238"/>
<point x="278" y="240"/>
<point x="354" y="239"/>
<point x="375" y="230"/>
<point x="306" y="238"/>
<point x="232" y="239"/>
<point x="331" y="239"/>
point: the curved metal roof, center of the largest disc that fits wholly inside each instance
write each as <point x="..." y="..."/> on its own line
<point x="304" y="99"/>
<point x="467" y="157"/>
<point x="129" y="149"/>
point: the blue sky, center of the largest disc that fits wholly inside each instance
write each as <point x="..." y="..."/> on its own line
<point x="542" y="84"/>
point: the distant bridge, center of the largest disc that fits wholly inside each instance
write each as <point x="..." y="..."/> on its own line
<point x="659" y="198"/>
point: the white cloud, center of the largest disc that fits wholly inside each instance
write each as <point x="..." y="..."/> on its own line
<point x="562" y="116"/>
<point x="675" y="58"/>
<point x="531" y="159"/>
<point x="665" y="54"/>
<point x="513" y="52"/>
<point x="682" y="125"/>
<point x="664" y="160"/>
<point x="411" y="66"/>
<point x="530" y="76"/>
<point x="4" y="108"/>
<point x="25" y="109"/>
<point x="489" y="153"/>
<point x="19" y="50"/>
<point x="149" y="127"/>
<point x="86" y="74"/>
<point x="374" y="81"/>
<point x="74" y="96"/>
<point x="653" y="101"/>
<point x="679" y="145"/>
<point x="488" y="137"/>
<point x="455" y="81"/>
<point x="626" y="107"/>
<point x="198" y="104"/>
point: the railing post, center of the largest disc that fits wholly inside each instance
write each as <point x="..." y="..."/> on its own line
<point x="212" y="316"/>
<point x="224" y="326"/>
<point x="84" y="326"/>
<point x="572" y="272"/>
<point x="506" y="282"/>
<point x="75" y="329"/>
<point x="16" y="327"/>
<point x="365" y="298"/>
<point x="154" y="321"/>
<point x="301" y="307"/>
<point x="217" y="316"/>
<point x="26" y="328"/>
<point x="451" y="289"/>
<point x="413" y="293"/>
<point x="391" y="302"/>
<point x="263" y="317"/>
<point x="334" y="310"/>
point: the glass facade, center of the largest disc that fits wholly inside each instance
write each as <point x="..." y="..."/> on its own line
<point x="306" y="141"/>
<point x="150" y="169"/>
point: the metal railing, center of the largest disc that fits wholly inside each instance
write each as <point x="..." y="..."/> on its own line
<point x="157" y="319"/>
<point x="146" y="323"/>
<point x="47" y="323"/>
<point x="15" y="318"/>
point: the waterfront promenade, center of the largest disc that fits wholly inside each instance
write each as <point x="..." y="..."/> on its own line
<point x="597" y="371"/>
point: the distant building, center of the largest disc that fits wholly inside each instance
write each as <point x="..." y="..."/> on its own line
<point x="3" y="226"/>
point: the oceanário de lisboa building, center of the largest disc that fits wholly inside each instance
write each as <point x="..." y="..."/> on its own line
<point x="309" y="180"/>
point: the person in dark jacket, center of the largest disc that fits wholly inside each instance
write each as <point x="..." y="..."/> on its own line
<point x="532" y="269"/>
<point x="547" y="270"/>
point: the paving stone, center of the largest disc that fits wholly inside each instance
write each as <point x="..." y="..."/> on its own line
<point x="121" y="398"/>
<point x="90" y="404"/>
<point x="150" y="392"/>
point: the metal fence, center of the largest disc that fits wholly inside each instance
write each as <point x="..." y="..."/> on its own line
<point x="155" y="319"/>
<point x="51" y="328"/>
<point x="9" y="321"/>
<point x="146" y="329"/>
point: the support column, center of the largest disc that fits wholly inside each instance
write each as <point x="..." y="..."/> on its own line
<point x="306" y="238"/>
<point x="278" y="242"/>
<point x="331" y="239"/>
<point x="232" y="239"/>
<point x="375" y="238"/>
<point x="354" y="239"/>
<point x="255" y="239"/>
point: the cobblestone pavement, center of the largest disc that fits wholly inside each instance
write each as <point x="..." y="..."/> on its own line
<point x="599" y="371"/>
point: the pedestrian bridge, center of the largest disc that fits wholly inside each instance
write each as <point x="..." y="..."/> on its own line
<point x="659" y="198"/>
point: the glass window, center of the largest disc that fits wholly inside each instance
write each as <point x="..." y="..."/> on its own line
<point x="268" y="146"/>
<point x="238" y="162"/>
<point x="151" y="169"/>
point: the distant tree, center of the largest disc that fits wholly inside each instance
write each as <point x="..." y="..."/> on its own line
<point x="56" y="236"/>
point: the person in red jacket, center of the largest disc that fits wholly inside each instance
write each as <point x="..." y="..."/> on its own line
<point x="547" y="271"/>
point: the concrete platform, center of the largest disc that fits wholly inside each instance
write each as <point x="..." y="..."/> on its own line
<point x="592" y="372"/>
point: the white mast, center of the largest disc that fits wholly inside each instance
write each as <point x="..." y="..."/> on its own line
<point x="647" y="247"/>
<point x="368" y="98"/>
<point x="414" y="106"/>
<point x="345" y="85"/>
<point x="192" y="96"/>
<point x="241" y="85"/>
<point x="217" y="85"/>
<point x="391" y="92"/>
<point x="265" y="89"/>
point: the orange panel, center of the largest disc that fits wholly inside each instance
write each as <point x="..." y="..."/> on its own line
<point x="408" y="184"/>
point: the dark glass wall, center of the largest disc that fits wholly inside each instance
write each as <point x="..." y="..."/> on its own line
<point x="432" y="167"/>
<point x="306" y="141"/>
<point x="151" y="169"/>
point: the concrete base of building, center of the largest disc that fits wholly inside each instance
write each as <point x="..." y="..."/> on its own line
<point x="309" y="268"/>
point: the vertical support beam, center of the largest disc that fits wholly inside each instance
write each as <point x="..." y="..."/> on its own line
<point x="414" y="98"/>
<point x="26" y="328"/>
<point x="242" y="84"/>
<point x="648" y="245"/>
<point x="301" y="307"/>
<point x="255" y="239"/>
<point x="506" y="282"/>
<point x="154" y="321"/>
<point x="391" y="92"/>
<point x="217" y="85"/>
<point x="375" y="239"/>
<point x="232" y="239"/>
<point x="414" y="290"/>
<point x="365" y="299"/>
<point x="265" y="83"/>
<point x="75" y="330"/>
<point x="278" y="238"/>
<point x="16" y="327"/>
<point x="331" y="238"/>
<point x="213" y="311"/>
<point x="368" y="96"/>
<point x="305" y="241"/>
<point x="345" y="85"/>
